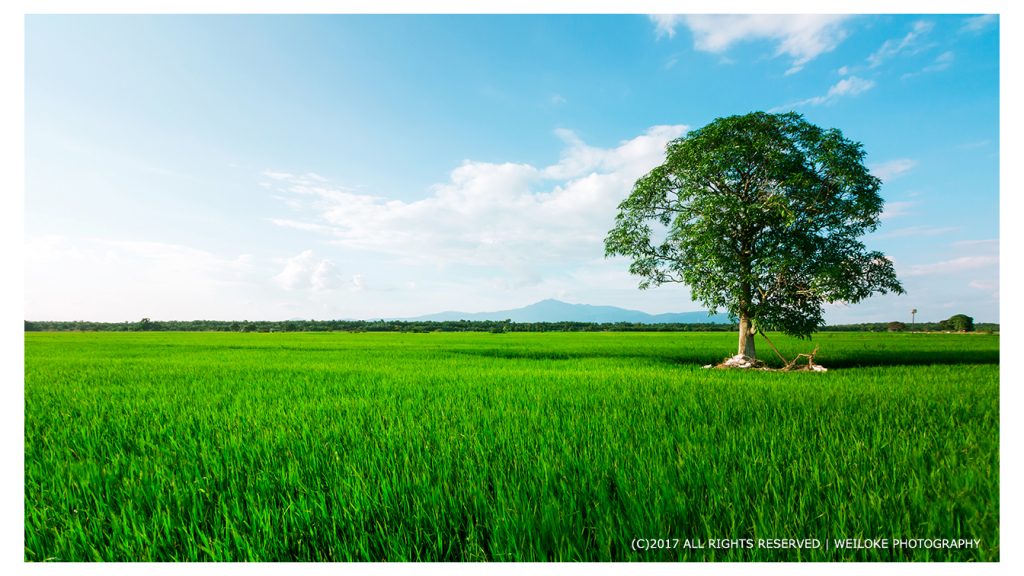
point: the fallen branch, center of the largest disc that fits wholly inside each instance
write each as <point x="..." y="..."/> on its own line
<point x="791" y="364"/>
<point x="810" y="362"/>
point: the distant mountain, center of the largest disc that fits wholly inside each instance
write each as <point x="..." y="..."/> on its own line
<point x="558" y="311"/>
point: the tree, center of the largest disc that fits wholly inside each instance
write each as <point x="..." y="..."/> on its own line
<point x="896" y="326"/>
<point x="959" y="323"/>
<point x="760" y="215"/>
<point x="913" y="315"/>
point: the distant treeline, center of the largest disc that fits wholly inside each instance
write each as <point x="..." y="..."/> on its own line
<point x="495" y="326"/>
<point x="942" y="326"/>
<point x="147" y="325"/>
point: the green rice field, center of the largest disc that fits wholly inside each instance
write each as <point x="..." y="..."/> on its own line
<point x="507" y="447"/>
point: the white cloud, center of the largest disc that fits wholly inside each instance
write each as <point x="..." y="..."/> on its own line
<point x="896" y="209"/>
<point x="305" y="270"/>
<point x="358" y="283"/>
<point x="916" y="231"/>
<point x="307" y="178"/>
<point x="941" y="62"/>
<point x="989" y="287"/>
<point x="979" y="255"/>
<point x="849" y="87"/>
<point x="299" y="225"/>
<point x="579" y="159"/>
<point x="296" y="271"/>
<point x="802" y="37"/>
<point x="278" y="175"/>
<point x="987" y="244"/>
<point x="323" y="276"/>
<point x="665" y="24"/>
<point x="974" y="144"/>
<point x="978" y="23"/>
<point x="118" y="280"/>
<point x="508" y="215"/>
<point x="909" y="44"/>
<point x="846" y="87"/>
<point x="952" y="266"/>
<point x="892" y="169"/>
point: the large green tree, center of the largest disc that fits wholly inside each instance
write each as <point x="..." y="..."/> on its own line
<point x="761" y="215"/>
<point x="958" y="322"/>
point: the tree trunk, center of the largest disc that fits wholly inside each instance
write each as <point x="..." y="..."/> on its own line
<point x="746" y="346"/>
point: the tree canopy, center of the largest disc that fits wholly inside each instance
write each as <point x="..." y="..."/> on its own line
<point x="760" y="215"/>
<point x="958" y="323"/>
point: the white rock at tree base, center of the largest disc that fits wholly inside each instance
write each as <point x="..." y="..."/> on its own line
<point x="739" y="361"/>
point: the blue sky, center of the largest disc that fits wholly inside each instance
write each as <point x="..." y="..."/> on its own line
<point x="268" y="167"/>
